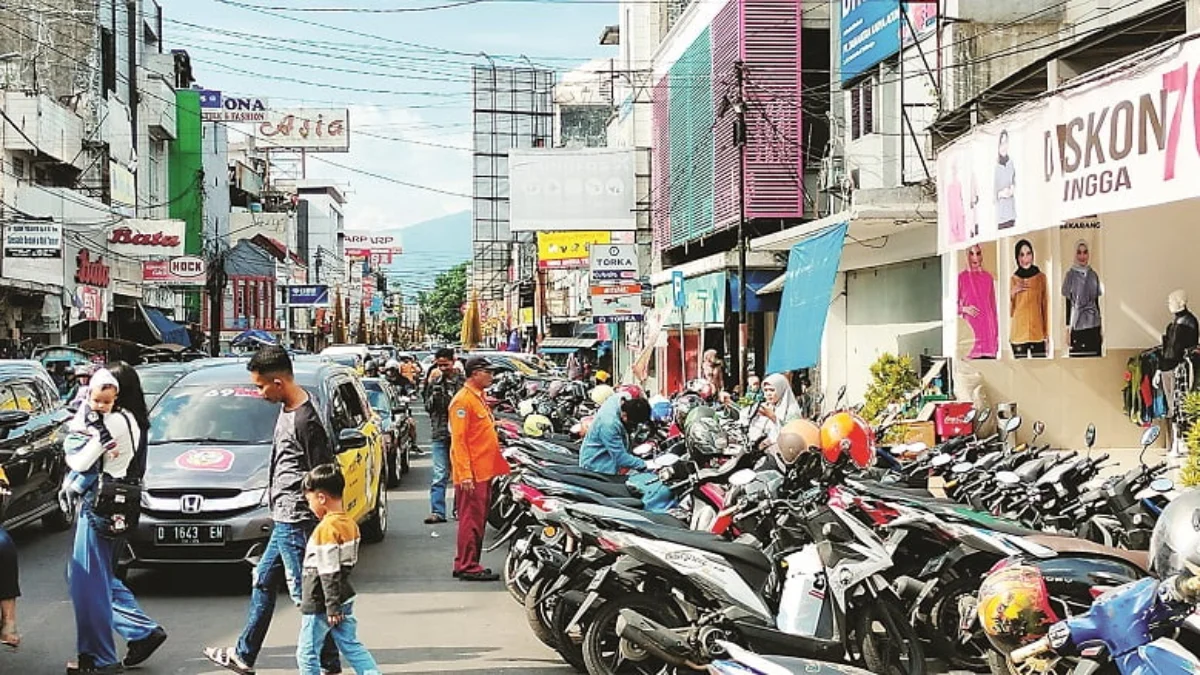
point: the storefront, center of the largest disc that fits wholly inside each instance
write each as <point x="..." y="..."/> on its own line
<point x="1064" y="226"/>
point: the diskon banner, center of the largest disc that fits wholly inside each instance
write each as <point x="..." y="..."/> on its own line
<point x="576" y="189"/>
<point x="316" y="130"/>
<point x="1126" y="141"/>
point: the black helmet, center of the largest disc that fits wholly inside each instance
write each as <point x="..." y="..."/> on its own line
<point x="1175" y="542"/>
<point x="370" y="368"/>
<point x="684" y="405"/>
<point x="703" y="432"/>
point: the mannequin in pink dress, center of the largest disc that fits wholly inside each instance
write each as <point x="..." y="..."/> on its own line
<point x="977" y="305"/>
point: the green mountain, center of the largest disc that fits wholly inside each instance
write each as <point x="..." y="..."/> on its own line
<point x="430" y="248"/>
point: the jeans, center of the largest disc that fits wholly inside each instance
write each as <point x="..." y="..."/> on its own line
<point x="440" y="447"/>
<point x="472" y="519"/>
<point x="281" y="561"/>
<point x="102" y="602"/>
<point x="315" y="628"/>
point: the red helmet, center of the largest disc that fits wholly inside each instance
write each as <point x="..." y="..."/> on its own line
<point x="846" y="435"/>
<point x="632" y="390"/>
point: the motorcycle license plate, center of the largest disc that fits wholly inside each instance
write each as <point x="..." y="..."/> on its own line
<point x="189" y="535"/>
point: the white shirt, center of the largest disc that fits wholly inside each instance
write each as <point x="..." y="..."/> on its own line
<point x="125" y="432"/>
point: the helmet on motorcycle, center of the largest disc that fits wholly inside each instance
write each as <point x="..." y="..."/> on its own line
<point x="683" y="406"/>
<point x="601" y="393"/>
<point x="632" y="390"/>
<point x="796" y="438"/>
<point x="1014" y="606"/>
<point x="698" y="413"/>
<point x="536" y="425"/>
<point x="370" y="368"/>
<point x="846" y="435"/>
<point x="526" y="407"/>
<point x="705" y="435"/>
<point x="1175" y="543"/>
<point x="660" y="409"/>
<point x="555" y="388"/>
<point x="392" y="364"/>
<point x="602" y="376"/>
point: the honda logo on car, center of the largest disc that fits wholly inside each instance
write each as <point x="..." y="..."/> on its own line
<point x="191" y="503"/>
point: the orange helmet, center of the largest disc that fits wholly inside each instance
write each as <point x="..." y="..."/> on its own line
<point x="845" y="434"/>
<point x="796" y="438"/>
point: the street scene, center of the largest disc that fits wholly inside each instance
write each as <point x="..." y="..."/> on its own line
<point x="618" y="337"/>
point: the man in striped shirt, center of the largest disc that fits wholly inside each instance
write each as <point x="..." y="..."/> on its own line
<point x="327" y="598"/>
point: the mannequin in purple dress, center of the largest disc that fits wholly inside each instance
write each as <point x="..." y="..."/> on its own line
<point x="977" y="305"/>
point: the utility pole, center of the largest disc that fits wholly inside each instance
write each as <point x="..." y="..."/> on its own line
<point x="216" y="293"/>
<point x="739" y="140"/>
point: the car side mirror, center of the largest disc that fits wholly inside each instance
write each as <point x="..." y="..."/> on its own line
<point x="351" y="439"/>
<point x="13" y="418"/>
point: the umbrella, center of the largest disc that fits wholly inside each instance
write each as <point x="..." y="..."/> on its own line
<point x="472" y="328"/>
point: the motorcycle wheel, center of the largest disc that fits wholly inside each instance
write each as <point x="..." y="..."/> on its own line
<point x="605" y="653"/>
<point x="568" y="646"/>
<point x="888" y="643"/>
<point x="945" y="618"/>
<point x="540" y="614"/>
<point x="517" y="588"/>
<point x="503" y="508"/>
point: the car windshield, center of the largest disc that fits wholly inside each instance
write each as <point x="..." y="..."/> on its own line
<point x="157" y="380"/>
<point x="349" y="360"/>
<point x="379" y="400"/>
<point x="225" y="414"/>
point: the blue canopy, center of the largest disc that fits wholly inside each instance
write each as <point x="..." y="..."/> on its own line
<point x="167" y="330"/>
<point x="253" y="337"/>
<point x="812" y="269"/>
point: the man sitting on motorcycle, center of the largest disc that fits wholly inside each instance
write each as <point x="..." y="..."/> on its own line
<point x="606" y="450"/>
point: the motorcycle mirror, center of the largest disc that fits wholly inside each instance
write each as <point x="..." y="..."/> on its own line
<point x="1008" y="478"/>
<point x="963" y="467"/>
<point x="1089" y="436"/>
<point x="669" y="459"/>
<point x="644" y="450"/>
<point x="942" y="460"/>
<point x="969" y="417"/>
<point x="1162" y="485"/>
<point x="1039" y="428"/>
<point x="1150" y="435"/>
<point x="984" y="415"/>
<point x="742" y="477"/>
<point x="1012" y="424"/>
<point x="841" y="391"/>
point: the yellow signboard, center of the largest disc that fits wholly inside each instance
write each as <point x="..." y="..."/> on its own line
<point x="565" y="250"/>
<point x="526" y="316"/>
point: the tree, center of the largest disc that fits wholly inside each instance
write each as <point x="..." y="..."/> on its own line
<point x="441" y="307"/>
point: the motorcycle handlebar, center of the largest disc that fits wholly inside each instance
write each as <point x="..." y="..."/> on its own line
<point x="1023" y="654"/>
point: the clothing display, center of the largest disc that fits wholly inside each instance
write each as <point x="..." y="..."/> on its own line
<point x="1029" y="306"/>
<point x="977" y="291"/>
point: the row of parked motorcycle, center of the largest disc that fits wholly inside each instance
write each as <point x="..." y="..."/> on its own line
<point x="818" y="551"/>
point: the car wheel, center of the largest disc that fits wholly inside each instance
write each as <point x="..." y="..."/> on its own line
<point x="59" y="520"/>
<point x="405" y="451"/>
<point x="375" y="527"/>
<point x="393" y="468"/>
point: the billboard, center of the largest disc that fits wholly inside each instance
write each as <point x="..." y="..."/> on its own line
<point x="42" y="239"/>
<point x="569" y="250"/>
<point x="616" y="291"/>
<point x="215" y="107"/>
<point x="308" y="296"/>
<point x="185" y="270"/>
<point x="310" y="129"/>
<point x="576" y="189"/>
<point x="870" y="34"/>
<point x="146" y="238"/>
<point x="378" y="248"/>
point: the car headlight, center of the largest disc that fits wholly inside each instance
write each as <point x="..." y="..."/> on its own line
<point x="249" y="498"/>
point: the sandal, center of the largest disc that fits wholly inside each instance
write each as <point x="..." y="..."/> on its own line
<point x="435" y="519"/>
<point x="227" y="658"/>
<point x="10" y="639"/>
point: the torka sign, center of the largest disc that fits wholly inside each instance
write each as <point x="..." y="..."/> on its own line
<point x="90" y="272"/>
<point x="1126" y="141"/>
<point x="147" y="238"/>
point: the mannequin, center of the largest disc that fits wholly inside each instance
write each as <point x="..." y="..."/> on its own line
<point x="1181" y="336"/>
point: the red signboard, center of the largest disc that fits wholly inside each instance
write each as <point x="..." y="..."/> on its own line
<point x="181" y="271"/>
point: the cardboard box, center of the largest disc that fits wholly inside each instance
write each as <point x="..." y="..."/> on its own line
<point x="918" y="432"/>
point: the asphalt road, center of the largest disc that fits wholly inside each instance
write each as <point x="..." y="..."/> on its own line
<point x="413" y="616"/>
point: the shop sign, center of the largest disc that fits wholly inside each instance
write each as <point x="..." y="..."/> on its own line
<point x="33" y="240"/>
<point x="216" y="107"/>
<point x="91" y="272"/>
<point x="89" y="305"/>
<point x="377" y="248"/>
<point x="308" y="296"/>
<point x="569" y="250"/>
<point x="1127" y="141"/>
<point x="184" y="270"/>
<point x="145" y="238"/>
<point x="616" y="292"/>
<point x="315" y="130"/>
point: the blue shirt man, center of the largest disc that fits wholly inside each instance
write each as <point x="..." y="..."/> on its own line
<point x="605" y="448"/>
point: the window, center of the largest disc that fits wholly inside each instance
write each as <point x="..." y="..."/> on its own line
<point x="108" y="60"/>
<point x="18" y="167"/>
<point x="27" y="398"/>
<point x="862" y="109"/>
<point x="353" y="400"/>
<point x="7" y="402"/>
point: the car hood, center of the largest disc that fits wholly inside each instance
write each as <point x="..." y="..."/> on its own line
<point x="207" y="465"/>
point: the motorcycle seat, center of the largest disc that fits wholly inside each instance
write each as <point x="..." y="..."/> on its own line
<point x="1074" y="545"/>
<point x="744" y="553"/>
<point x="569" y="470"/>
<point x="607" y="488"/>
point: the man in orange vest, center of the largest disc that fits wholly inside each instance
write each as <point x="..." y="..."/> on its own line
<point x="475" y="460"/>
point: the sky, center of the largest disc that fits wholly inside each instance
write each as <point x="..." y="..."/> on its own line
<point x="405" y="75"/>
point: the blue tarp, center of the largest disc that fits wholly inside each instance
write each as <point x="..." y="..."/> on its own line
<point x="812" y="269"/>
<point x="169" y="331"/>
<point x="754" y="302"/>
<point x="252" y="336"/>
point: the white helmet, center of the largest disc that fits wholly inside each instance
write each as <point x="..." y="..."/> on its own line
<point x="392" y="364"/>
<point x="601" y="394"/>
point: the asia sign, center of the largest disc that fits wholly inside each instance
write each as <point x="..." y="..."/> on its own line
<point x="146" y="238"/>
<point x="310" y="129"/>
<point x="181" y="271"/>
<point x="33" y="240"/>
<point x="566" y="250"/>
<point x="215" y="107"/>
<point x="616" y="292"/>
<point x="1127" y="141"/>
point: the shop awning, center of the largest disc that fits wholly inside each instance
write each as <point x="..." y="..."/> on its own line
<point x="756" y="300"/>
<point x="165" y="329"/>
<point x="812" y="269"/>
<point x="773" y="286"/>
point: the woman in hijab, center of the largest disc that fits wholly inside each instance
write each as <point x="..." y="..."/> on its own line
<point x="1081" y="288"/>
<point x="977" y="305"/>
<point x="1028" y="305"/>
<point x="714" y="371"/>
<point x="1005" y="186"/>
<point x="779" y="406"/>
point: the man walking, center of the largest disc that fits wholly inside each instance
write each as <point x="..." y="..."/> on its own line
<point x="476" y="460"/>
<point x="300" y="444"/>
<point x="444" y="382"/>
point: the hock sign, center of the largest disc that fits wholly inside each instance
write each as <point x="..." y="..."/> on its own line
<point x="1127" y="141"/>
<point x="182" y="271"/>
<point x="147" y="238"/>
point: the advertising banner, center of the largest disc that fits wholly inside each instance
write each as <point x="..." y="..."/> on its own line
<point x="89" y="304"/>
<point x="377" y="248"/>
<point x="184" y="270"/>
<point x="567" y="250"/>
<point x="1126" y="141"/>
<point x="616" y="292"/>
<point x="571" y="189"/>
<point x="314" y="130"/>
<point x="215" y="107"/>
<point x="146" y="238"/>
<point x="308" y="296"/>
<point x="33" y="240"/>
<point x="870" y="34"/>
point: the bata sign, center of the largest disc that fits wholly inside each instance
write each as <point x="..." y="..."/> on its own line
<point x="1127" y="141"/>
<point x="182" y="271"/>
<point x="146" y="238"/>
